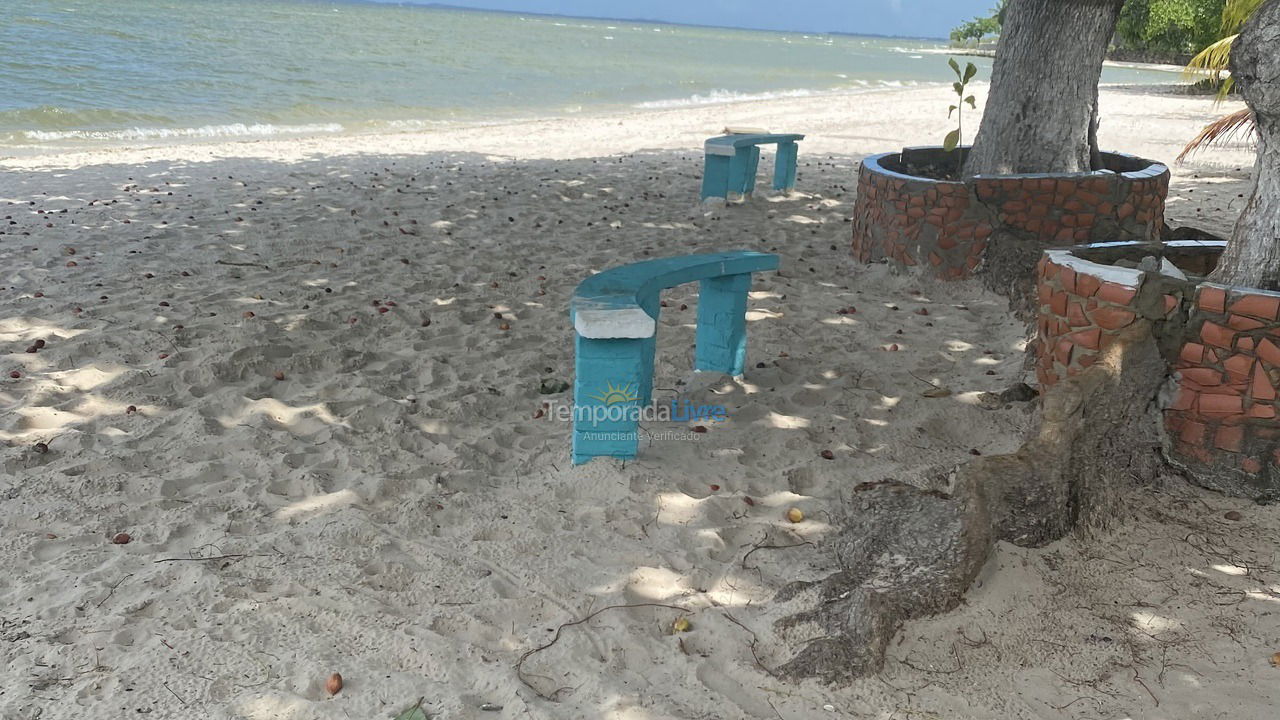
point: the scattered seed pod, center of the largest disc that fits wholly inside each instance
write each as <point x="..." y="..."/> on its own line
<point x="39" y="344"/>
<point x="1275" y="659"/>
<point x="749" y="500"/>
<point x="121" y="539"/>
<point x="1233" y="515"/>
<point x="699" y="428"/>
<point x="795" y="515"/>
<point x="538" y="414"/>
<point x="15" y="374"/>
<point x="71" y="263"/>
<point x="162" y="356"/>
<point x="131" y="409"/>
<point x="41" y="448"/>
<point x="383" y="309"/>
<point x="278" y="375"/>
<point x="827" y="455"/>
<point x="426" y="322"/>
<point x="333" y="685"/>
<point x="922" y="311"/>
<point x="975" y="451"/>
<point x="681" y="625"/>
<point x="247" y="314"/>
<point x="32" y="348"/>
<point x="715" y="488"/>
<point x="504" y="326"/>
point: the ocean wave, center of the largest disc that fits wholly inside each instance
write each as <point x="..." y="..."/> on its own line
<point x="204" y="131"/>
<point x="718" y="97"/>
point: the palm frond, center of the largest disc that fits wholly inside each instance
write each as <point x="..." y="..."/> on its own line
<point x="1212" y="61"/>
<point x="1235" y="13"/>
<point x="1224" y="129"/>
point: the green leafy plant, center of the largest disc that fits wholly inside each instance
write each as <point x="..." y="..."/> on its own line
<point x="961" y="86"/>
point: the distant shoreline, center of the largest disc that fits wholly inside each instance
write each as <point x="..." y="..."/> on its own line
<point x="1129" y="64"/>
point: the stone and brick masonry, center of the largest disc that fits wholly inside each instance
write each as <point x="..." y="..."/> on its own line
<point x="1220" y="411"/>
<point x="944" y="226"/>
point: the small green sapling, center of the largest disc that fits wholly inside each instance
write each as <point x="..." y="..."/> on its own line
<point x="961" y="87"/>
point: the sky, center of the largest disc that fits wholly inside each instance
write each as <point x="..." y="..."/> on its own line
<point x="910" y="18"/>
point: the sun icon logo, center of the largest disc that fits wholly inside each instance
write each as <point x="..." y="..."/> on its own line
<point x="613" y="395"/>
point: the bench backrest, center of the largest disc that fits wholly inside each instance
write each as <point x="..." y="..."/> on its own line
<point x="729" y="144"/>
<point x="621" y="302"/>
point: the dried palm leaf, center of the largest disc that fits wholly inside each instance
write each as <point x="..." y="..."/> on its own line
<point x="1224" y="129"/>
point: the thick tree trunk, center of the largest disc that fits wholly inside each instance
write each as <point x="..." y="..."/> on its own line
<point x="1252" y="257"/>
<point x="1040" y="110"/>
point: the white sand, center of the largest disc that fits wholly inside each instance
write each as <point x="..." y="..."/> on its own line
<point x="391" y="509"/>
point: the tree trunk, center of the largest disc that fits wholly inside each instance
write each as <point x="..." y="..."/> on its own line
<point x="1252" y="258"/>
<point x="1043" y="94"/>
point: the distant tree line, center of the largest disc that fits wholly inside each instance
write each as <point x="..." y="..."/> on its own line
<point x="1155" y="30"/>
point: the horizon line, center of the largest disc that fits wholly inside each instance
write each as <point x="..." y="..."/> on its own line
<point x="647" y="21"/>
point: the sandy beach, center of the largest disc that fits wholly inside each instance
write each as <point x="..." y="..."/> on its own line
<point x="304" y="377"/>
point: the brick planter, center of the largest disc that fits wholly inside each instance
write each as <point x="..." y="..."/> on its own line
<point x="944" y="226"/>
<point x="1222" y="345"/>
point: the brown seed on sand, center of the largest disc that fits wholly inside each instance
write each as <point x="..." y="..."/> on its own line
<point x="32" y="348"/>
<point x="699" y="428"/>
<point x="749" y="500"/>
<point x="41" y="448"/>
<point x="333" y="685"/>
<point x="247" y="314"/>
<point x="15" y="374"/>
<point x="278" y="375"/>
<point x="827" y="455"/>
<point x="121" y="539"/>
<point x="795" y="515"/>
<point x="1233" y="515"/>
<point x="715" y="488"/>
<point x="426" y="322"/>
<point x="71" y="263"/>
<point x="131" y="409"/>
<point x="504" y="326"/>
<point x="39" y="344"/>
<point x="383" y="309"/>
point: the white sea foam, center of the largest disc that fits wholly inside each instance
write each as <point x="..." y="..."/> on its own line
<point x="204" y="131"/>
<point x="720" y="96"/>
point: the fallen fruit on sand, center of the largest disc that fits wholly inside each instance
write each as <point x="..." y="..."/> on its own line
<point x="827" y="455"/>
<point x="333" y="685"/>
<point x="681" y="625"/>
<point x="15" y="374"/>
<point x="795" y="515"/>
<point x="121" y="539"/>
<point x="715" y="488"/>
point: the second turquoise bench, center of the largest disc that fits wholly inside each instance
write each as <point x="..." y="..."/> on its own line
<point x="731" y="161"/>
<point x="615" y="319"/>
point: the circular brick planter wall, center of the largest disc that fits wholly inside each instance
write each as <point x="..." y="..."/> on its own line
<point x="1222" y="344"/>
<point x="943" y="226"/>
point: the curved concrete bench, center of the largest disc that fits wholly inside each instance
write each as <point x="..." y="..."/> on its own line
<point x="614" y="316"/>
<point x="731" y="160"/>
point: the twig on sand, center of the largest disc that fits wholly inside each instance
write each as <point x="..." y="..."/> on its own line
<point x="241" y="264"/>
<point x="751" y="645"/>
<point x="519" y="667"/>
<point x="770" y="547"/>
<point x="200" y="559"/>
<point x="113" y="589"/>
<point x="171" y="692"/>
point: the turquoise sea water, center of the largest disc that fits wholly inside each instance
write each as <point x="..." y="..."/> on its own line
<point x="77" y="71"/>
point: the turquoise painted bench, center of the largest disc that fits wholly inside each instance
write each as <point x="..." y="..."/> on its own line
<point x="731" y="160"/>
<point x="615" y="320"/>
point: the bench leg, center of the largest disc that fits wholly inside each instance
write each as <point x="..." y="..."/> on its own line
<point x="742" y="170"/>
<point x="784" y="168"/>
<point x="715" y="176"/>
<point x="722" y="324"/>
<point x="609" y="383"/>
